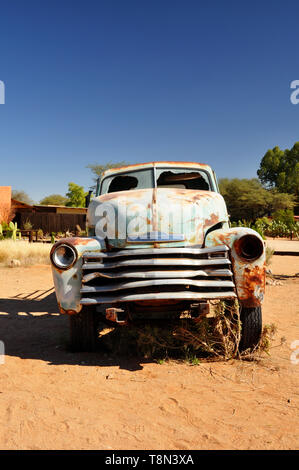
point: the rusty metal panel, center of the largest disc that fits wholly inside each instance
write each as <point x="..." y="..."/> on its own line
<point x="175" y="212"/>
<point x="169" y="274"/>
<point x="192" y="262"/>
<point x="213" y="280"/>
<point x="249" y="275"/>
<point x="68" y="282"/>
<point x="156" y="282"/>
<point x="157" y="297"/>
<point x="157" y="251"/>
<point x="155" y="262"/>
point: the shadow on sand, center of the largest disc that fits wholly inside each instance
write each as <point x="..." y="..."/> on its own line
<point x="32" y="328"/>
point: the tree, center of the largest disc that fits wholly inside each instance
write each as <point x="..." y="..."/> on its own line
<point x="54" y="200"/>
<point x="20" y="195"/>
<point x="76" y="196"/>
<point x="248" y="199"/>
<point x="98" y="170"/>
<point x="280" y="169"/>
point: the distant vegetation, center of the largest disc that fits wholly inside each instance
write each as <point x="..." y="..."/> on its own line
<point x="282" y="224"/>
<point x="54" y="200"/>
<point x="247" y="198"/>
<point x="98" y="170"/>
<point x="279" y="169"/>
<point x="75" y="197"/>
<point x="275" y="194"/>
<point x="21" y="196"/>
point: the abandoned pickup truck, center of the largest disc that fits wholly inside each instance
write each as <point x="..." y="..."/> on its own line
<point x="159" y="243"/>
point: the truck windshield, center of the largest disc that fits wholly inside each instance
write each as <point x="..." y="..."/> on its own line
<point x="140" y="179"/>
<point x="180" y="178"/>
<point x="183" y="179"/>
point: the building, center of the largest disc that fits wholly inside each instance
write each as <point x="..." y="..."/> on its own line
<point x="47" y="218"/>
<point x="5" y="203"/>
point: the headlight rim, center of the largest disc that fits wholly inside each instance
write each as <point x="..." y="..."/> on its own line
<point x="69" y="246"/>
<point x="238" y="247"/>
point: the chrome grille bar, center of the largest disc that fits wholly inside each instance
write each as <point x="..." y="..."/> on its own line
<point x="182" y="273"/>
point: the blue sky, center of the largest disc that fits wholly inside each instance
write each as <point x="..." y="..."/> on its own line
<point x="98" y="81"/>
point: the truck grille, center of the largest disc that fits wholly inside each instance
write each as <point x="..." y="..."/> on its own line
<point x="157" y="274"/>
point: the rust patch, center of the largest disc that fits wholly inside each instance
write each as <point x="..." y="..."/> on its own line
<point x="112" y="315"/>
<point x="212" y="220"/>
<point x="72" y="241"/>
<point x="226" y="238"/>
<point x="130" y="194"/>
<point x="60" y="271"/>
<point x="190" y="195"/>
<point x="252" y="278"/>
<point x="66" y="312"/>
<point x="79" y="241"/>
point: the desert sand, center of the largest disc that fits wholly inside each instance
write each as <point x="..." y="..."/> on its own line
<point x="51" y="398"/>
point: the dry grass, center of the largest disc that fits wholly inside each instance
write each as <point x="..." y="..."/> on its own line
<point x="269" y="254"/>
<point x="218" y="336"/>
<point x="25" y="252"/>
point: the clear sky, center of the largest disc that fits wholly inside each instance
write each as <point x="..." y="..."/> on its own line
<point x="97" y="81"/>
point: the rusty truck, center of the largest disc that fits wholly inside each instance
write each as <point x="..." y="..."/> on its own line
<point x="159" y="243"/>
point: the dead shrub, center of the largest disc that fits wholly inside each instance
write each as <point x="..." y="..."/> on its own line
<point x="264" y="345"/>
<point x="7" y="213"/>
<point x="210" y="338"/>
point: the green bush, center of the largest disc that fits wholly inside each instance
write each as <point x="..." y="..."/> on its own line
<point x="10" y="231"/>
<point x="283" y="224"/>
<point x="247" y="223"/>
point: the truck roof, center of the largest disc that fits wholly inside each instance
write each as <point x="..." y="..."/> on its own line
<point x="139" y="166"/>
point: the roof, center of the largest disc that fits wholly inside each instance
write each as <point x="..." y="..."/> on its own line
<point x="48" y="208"/>
<point x="159" y="164"/>
<point x="60" y="209"/>
<point x="19" y="204"/>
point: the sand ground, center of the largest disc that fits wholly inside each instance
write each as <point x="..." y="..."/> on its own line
<point x="53" y="399"/>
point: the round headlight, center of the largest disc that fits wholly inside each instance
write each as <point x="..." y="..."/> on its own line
<point x="249" y="247"/>
<point x="63" y="256"/>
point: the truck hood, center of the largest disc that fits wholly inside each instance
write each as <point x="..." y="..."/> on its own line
<point x="151" y="217"/>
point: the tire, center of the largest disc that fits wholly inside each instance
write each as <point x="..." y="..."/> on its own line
<point x="251" y="327"/>
<point x="83" y="330"/>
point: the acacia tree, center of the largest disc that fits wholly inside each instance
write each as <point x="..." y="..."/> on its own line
<point x="54" y="200"/>
<point x="98" y="170"/>
<point x="248" y="199"/>
<point x="22" y="196"/>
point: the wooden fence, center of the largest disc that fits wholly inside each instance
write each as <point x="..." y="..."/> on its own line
<point x="52" y="222"/>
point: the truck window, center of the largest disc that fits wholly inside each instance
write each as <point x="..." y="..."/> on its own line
<point x="141" y="179"/>
<point x="184" y="179"/>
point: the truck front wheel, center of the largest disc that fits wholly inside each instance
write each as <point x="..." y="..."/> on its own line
<point x="251" y="327"/>
<point x="83" y="330"/>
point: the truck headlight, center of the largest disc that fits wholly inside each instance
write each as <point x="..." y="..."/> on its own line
<point x="249" y="247"/>
<point x="63" y="256"/>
